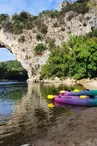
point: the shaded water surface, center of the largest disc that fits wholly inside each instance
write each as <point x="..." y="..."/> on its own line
<point x="24" y="112"/>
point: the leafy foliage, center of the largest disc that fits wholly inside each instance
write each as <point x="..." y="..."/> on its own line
<point x="54" y="14"/>
<point x="82" y="1"/>
<point x="42" y="28"/>
<point x="67" y="8"/>
<point x="51" y="14"/>
<point x="39" y="49"/>
<point x="77" y="58"/>
<point x="56" y="64"/>
<point x="80" y="7"/>
<point x="18" y="22"/>
<point x="12" y="70"/>
<point x="39" y="36"/>
<point x="93" y="33"/>
<point x="21" y="39"/>
<point x="51" y="43"/>
<point x="3" y="17"/>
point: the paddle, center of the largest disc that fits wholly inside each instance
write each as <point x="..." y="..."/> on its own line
<point x="76" y="90"/>
<point x="50" y="96"/>
<point x="51" y="105"/>
<point x="83" y="96"/>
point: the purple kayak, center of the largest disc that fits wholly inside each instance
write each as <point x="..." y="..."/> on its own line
<point x="76" y="100"/>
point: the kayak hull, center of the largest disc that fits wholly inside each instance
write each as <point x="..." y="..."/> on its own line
<point x="76" y="100"/>
<point x="86" y="92"/>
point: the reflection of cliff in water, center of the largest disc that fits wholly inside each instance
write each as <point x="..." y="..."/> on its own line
<point x="31" y="119"/>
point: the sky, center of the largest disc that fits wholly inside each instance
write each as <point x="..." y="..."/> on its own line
<point x="32" y="6"/>
<point x="16" y="6"/>
<point x="6" y="55"/>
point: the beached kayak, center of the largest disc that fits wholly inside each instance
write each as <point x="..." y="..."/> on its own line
<point x="76" y="100"/>
<point x="85" y="92"/>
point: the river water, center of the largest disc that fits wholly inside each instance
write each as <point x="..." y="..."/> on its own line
<point x="24" y="112"/>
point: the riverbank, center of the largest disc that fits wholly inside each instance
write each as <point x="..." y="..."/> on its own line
<point x="56" y="80"/>
<point x="87" y="83"/>
<point x="80" y="130"/>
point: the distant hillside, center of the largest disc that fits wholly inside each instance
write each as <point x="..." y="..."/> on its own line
<point x="12" y="70"/>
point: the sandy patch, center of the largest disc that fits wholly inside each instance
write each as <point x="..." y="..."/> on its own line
<point x="92" y="85"/>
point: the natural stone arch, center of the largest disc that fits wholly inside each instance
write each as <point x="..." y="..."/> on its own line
<point x="3" y="46"/>
<point x="24" y="52"/>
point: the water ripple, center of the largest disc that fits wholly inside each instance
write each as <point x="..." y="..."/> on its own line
<point x="24" y="114"/>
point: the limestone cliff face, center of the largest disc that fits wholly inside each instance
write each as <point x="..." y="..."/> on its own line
<point x="24" y="51"/>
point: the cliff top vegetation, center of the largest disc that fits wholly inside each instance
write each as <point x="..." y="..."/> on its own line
<point x="18" y="22"/>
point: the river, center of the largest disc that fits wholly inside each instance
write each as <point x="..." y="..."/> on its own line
<point x="24" y="112"/>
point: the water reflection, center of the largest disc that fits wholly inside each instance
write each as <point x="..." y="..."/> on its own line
<point x="77" y="109"/>
<point x="28" y="116"/>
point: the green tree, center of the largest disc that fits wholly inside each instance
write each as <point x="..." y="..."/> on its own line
<point x="12" y="70"/>
<point x="77" y="58"/>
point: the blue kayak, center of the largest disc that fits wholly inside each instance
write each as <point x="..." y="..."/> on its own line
<point x="85" y="92"/>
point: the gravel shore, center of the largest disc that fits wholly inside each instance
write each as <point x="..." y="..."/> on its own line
<point x="80" y="130"/>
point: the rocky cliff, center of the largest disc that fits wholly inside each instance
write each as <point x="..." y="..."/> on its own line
<point x="58" y="24"/>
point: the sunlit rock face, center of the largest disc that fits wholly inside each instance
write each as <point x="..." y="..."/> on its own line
<point x="24" y="52"/>
<point x="71" y="23"/>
